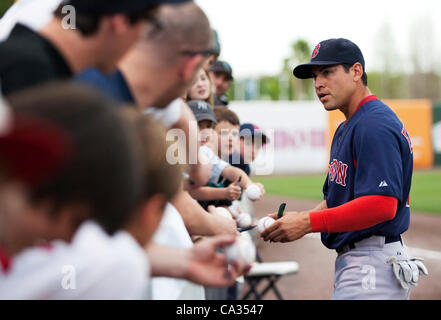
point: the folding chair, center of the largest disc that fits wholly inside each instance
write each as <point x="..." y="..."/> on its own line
<point x="271" y="272"/>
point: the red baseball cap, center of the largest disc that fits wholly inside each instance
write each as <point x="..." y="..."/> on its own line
<point x="31" y="149"/>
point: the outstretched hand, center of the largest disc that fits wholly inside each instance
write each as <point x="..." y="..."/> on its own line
<point x="261" y="188"/>
<point x="208" y="267"/>
<point x="222" y="225"/>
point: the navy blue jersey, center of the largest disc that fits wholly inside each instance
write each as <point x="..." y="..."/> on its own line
<point x="113" y="85"/>
<point x="371" y="154"/>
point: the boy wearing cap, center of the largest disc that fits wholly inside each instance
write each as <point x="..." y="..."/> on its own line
<point x="222" y="170"/>
<point x="222" y="76"/>
<point x="103" y="32"/>
<point x="206" y="121"/>
<point x="251" y="141"/>
<point x="366" y="192"/>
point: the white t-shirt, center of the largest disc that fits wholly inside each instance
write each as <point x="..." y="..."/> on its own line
<point x="218" y="164"/>
<point x="34" y="14"/>
<point x="172" y="232"/>
<point x="93" y="266"/>
<point x="169" y="115"/>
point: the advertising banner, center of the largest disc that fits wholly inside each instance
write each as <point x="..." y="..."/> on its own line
<point x="297" y="132"/>
<point x="416" y="116"/>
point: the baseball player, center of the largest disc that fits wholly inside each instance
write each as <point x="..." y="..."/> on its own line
<point x="366" y="193"/>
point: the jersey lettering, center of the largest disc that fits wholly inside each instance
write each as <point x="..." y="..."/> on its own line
<point x="337" y="172"/>
<point x="341" y="174"/>
<point x="333" y="170"/>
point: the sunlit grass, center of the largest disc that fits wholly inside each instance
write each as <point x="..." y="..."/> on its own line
<point x="425" y="195"/>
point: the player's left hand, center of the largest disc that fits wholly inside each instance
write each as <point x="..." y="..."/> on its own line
<point x="292" y="226"/>
<point x="208" y="267"/>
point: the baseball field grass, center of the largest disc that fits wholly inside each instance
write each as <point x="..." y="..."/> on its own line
<point x="425" y="195"/>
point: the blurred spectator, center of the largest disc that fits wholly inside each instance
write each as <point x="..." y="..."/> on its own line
<point x="161" y="66"/>
<point x="220" y="192"/>
<point x="33" y="14"/>
<point x="222" y="76"/>
<point x="101" y="165"/>
<point x="110" y="182"/>
<point x="161" y="57"/>
<point x="208" y="195"/>
<point x="227" y="129"/>
<point x="201" y="88"/>
<point x="95" y="132"/>
<point x="252" y="139"/>
<point x="103" y="32"/>
<point x="223" y="173"/>
<point x="216" y="51"/>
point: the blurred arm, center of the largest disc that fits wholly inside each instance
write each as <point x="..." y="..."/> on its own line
<point x="200" y="222"/>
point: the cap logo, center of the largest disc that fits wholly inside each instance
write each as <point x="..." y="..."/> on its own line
<point x="316" y="51"/>
<point x="202" y="105"/>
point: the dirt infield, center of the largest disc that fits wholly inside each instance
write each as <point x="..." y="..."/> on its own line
<point x="314" y="281"/>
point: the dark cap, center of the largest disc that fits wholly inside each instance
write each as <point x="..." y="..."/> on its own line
<point x="216" y="43"/>
<point x="330" y="52"/>
<point x="32" y="149"/>
<point x="115" y="6"/>
<point x="249" y="129"/>
<point x="224" y="67"/>
<point x="202" y="110"/>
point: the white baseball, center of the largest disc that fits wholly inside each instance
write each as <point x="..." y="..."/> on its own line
<point x="243" y="250"/>
<point x="234" y="210"/>
<point x="223" y="212"/>
<point x="244" y="220"/>
<point x="253" y="192"/>
<point x="264" y="223"/>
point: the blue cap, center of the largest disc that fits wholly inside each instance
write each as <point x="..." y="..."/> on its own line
<point x="330" y="52"/>
<point x="252" y="130"/>
<point x="116" y="6"/>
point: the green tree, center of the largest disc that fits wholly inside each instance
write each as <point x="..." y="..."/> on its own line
<point x="301" y="53"/>
<point x="389" y="86"/>
<point x="269" y="88"/>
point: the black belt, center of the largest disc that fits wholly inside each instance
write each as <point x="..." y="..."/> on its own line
<point x="388" y="239"/>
